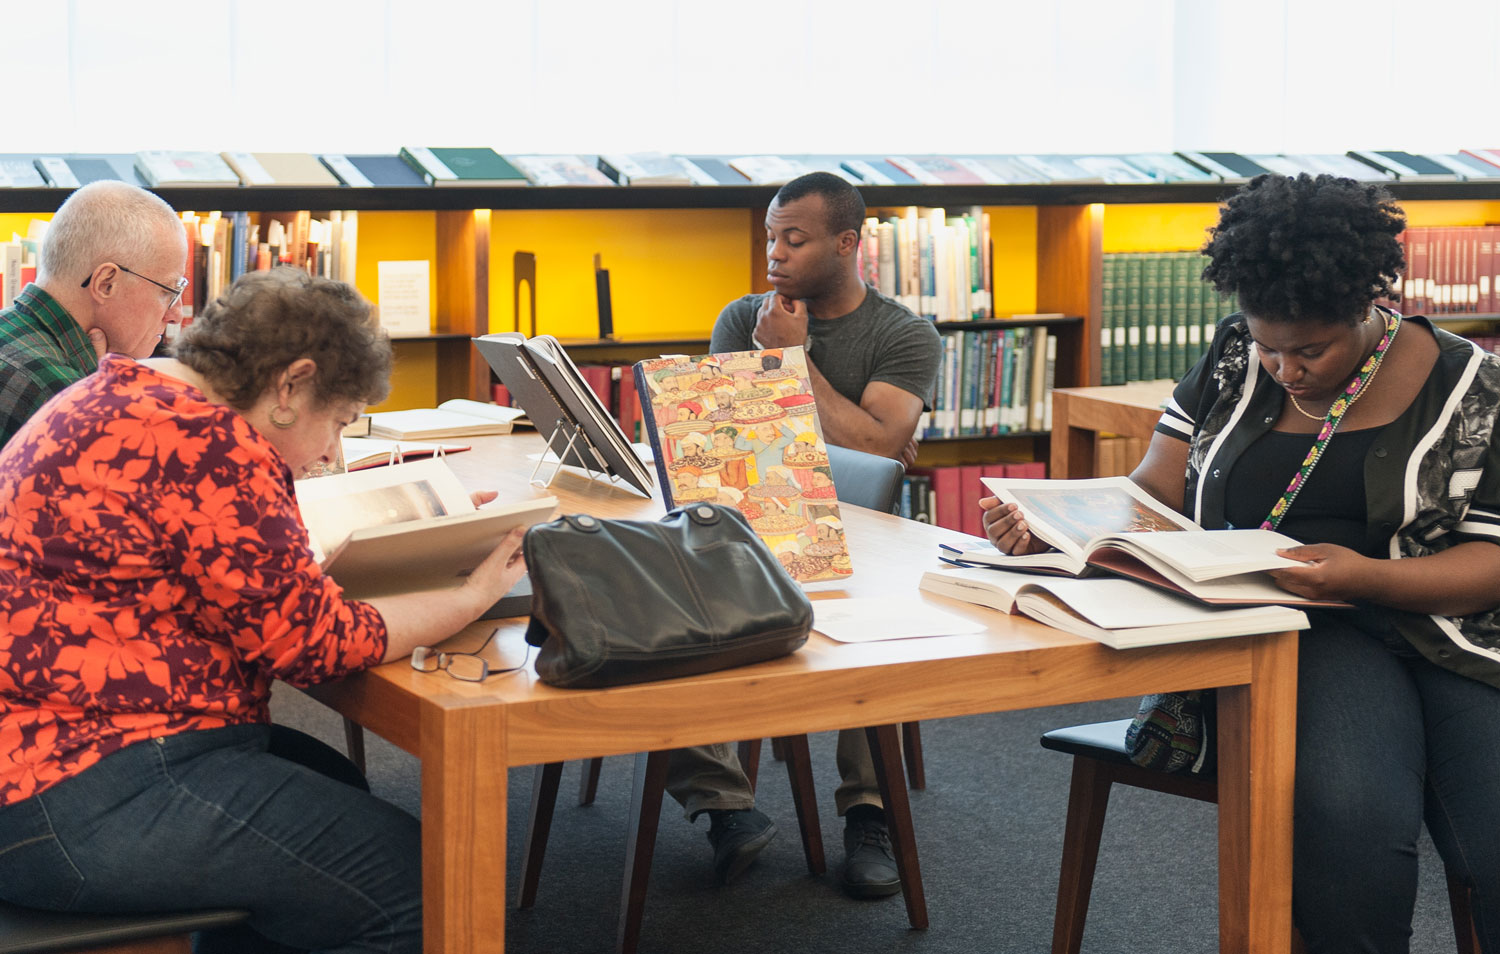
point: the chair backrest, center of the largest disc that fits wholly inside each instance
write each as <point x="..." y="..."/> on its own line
<point x="866" y="480"/>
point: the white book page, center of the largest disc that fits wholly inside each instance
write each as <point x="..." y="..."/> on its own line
<point x="333" y="507"/>
<point x="1070" y="513"/>
<point x="490" y="412"/>
<point x="866" y="619"/>
<point x="1213" y="554"/>
<point x="1125" y="604"/>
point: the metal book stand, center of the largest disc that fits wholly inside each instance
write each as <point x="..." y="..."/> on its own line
<point x="573" y="431"/>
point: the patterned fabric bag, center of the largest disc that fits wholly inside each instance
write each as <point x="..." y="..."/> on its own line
<point x="1173" y="732"/>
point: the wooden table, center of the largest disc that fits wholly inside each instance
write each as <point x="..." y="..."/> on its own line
<point x="1079" y="415"/>
<point x="466" y="735"/>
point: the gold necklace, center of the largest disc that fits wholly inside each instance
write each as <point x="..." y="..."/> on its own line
<point x="1363" y="386"/>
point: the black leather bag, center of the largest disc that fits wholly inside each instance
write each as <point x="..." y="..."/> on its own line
<point x="621" y="601"/>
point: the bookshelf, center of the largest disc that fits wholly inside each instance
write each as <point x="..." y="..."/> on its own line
<point x="677" y="254"/>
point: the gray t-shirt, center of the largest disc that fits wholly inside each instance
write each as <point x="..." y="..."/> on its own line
<point x="881" y="340"/>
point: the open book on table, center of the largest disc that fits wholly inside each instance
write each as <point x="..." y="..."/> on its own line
<point x="1110" y="524"/>
<point x="404" y="528"/>
<point x="364" y="452"/>
<point x="459" y="417"/>
<point x="547" y="385"/>
<point x="1119" y="613"/>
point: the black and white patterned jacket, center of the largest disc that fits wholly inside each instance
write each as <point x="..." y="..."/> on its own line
<point x="1432" y="478"/>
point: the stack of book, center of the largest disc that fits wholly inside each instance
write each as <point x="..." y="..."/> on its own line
<point x="1124" y="569"/>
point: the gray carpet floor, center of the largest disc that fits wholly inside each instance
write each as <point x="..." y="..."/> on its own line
<point x="989" y="831"/>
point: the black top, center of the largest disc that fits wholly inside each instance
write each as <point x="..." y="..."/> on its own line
<point x="1331" y="506"/>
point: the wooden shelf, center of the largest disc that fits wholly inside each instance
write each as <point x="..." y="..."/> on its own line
<point x="425" y="198"/>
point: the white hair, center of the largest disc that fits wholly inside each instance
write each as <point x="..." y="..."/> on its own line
<point x="105" y="221"/>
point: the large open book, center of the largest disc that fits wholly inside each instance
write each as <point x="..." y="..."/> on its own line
<point x="404" y="528"/>
<point x="459" y="417"/>
<point x="741" y="428"/>
<point x="1117" y="612"/>
<point x="546" y="383"/>
<point x="1110" y="524"/>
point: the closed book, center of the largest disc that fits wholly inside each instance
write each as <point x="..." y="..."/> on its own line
<point x="1228" y="166"/>
<point x="741" y="428"/>
<point x="552" y="391"/>
<point x="456" y="418"/>
<point x="643" y="168"/>
<point x="365" y="171"/>
<point x="711" y="170"/>
<point x="1060" y="169"/>
<point x="468" y="166"/>
<point x="878" y="171"/>
<point x="1165" y="167"/>
<point x="170" y="169"/>
<point x="767" y="170"/>
<point x="937" y="170"/>
<point x="1112" y="169"/>
<point x="92" y="168"/>
<point x="361" y="453"/>
<point x="1009" y="170"/>
<point x="279" y="169"/>
<point x="20" y="172"/>
<point x="561" y="170"/>
<point x="1491" y="156"/>
<point x="1406" y="166"/>
<point x="1468" y="166"/>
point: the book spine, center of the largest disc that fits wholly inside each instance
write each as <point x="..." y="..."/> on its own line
<point x="653" y="437"/>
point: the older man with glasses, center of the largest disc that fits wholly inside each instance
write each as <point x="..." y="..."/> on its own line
<point x="110" y="278"/>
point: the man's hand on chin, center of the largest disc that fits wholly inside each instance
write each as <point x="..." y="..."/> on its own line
<point x="781" y="322"/>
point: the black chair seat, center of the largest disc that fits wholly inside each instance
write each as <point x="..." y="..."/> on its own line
<point x="29" y="931"/>
<point x="1098" y="740"/>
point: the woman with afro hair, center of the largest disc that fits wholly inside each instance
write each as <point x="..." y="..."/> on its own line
<point x="1368" y="436"/>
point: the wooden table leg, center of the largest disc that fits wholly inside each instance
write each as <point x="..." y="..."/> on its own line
<point x="463" y="829"/>
<point x="1257" y="761"/>
<point x="885" y="751"/>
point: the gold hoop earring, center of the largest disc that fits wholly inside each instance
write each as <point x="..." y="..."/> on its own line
<point x="283" y="424"/>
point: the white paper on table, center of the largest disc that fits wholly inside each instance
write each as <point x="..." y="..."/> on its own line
<point x="867" y="618"/>
<point x="403" y="293"/>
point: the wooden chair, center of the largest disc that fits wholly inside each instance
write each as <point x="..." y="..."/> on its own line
<point x="1100" y="761"/>
<point x="29" y="931"/>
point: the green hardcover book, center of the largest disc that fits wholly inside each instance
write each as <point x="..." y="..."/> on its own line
<point x="1182" y="264"/>
<point x="1163" y="315"/>
<point x="475" y="166"/>
<point x="1107" y="370"/>
<point x="1150" y="314"/>
<point x="1132" y="316"/>
<point x="1199" y="310"/>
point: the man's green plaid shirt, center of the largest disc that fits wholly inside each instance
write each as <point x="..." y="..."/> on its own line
<point x="42" y="351"/>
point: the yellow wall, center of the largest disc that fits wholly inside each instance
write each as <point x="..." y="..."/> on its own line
<point x="1455" y="212"/>
<point x="1013" y="258"/>
<point x="395" y="237"/>
<point x="670" y="270"/>
<point x="1171" y="227"/>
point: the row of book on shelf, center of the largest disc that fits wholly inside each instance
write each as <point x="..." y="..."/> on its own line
<point x="936" y="264"/>
<point x="1450" y="271"/>
<point x="1156" y="315"/>
<point x="993" y="381"/>
<point x="222" y="246"/>
<point x="483" y="166"/>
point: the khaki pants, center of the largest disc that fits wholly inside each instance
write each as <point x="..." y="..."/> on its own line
<point x="707" y="777"/>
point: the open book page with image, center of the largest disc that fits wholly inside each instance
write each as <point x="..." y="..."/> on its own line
<point x="741" y="428"/>
<point x="1110" y="524"/>
<point x="1116" y="612"/>
<point x="405" y="527"/>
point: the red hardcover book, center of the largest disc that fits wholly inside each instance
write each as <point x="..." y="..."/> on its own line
<point x="970" y="517"/>
<point x="1030" y="469"/>
<point x="947" y="493"/>
<point x="1485" y="263"/>
<point x="628" y="408"/>
<point x="500" y="394"/>
<point x="597" y="376"/>
<point x="1418" y="260"/>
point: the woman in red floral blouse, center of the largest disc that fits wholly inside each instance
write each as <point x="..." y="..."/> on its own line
<point x="154" y="579"/>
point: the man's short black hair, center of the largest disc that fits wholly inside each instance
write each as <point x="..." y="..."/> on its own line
<point x="846" y="208"/>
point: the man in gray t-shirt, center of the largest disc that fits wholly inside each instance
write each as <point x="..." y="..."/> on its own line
<point x="873" y="365"/>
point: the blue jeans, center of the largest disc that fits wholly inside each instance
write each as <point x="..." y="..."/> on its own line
<point x="212" y="819"/>
<point x="1385" y="739"/>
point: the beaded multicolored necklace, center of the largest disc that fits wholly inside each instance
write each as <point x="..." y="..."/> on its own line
<point x="1331" y="421"/>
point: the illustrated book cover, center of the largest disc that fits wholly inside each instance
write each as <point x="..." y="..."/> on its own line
<point x="405" y="528"/>
<point x="741" y="428"/>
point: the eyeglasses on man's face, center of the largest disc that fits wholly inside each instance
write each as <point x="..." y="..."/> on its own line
<point x="175" y="291"/>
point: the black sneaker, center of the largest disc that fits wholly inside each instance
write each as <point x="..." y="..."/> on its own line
<point x="869" y="866"/>
<point x="738" y="836"/>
